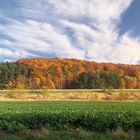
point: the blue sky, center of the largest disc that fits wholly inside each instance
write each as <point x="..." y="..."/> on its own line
<point x="103" y="31"/>
<point x="131" y="19"/>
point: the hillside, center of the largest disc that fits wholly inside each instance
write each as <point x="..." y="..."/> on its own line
<point x="51" y="73"/>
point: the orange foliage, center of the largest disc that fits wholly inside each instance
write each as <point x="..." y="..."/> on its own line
<point x="56" y="72"/>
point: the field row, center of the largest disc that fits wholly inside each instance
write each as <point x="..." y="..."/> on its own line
<point x="97" y="116"/>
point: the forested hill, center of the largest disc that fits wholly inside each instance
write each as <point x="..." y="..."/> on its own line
<point x="51" y="73"/>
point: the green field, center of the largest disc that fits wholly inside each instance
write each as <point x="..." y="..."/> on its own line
<point x="66" y="115"/>
<point x="66" y="120"/>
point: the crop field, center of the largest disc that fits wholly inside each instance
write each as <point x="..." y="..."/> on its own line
<point x="70" y="114"/>
<point x="67" y="115"/>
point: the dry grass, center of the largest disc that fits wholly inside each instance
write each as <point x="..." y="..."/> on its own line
<point x="119" y="132"/>
<point x="87" y="95"/>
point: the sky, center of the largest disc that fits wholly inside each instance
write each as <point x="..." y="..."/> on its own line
<point x="94" y="30"/>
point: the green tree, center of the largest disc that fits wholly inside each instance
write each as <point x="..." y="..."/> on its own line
<point x="95" y="80"/>
<point x="11" y="72"/>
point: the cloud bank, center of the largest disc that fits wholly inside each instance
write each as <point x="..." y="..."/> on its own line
<point x="69" y="28"/>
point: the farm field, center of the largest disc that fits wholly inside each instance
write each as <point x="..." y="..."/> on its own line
<point x="66" y="115"/>
<point x="70" y="114"/>
<point x="40" y="120"/>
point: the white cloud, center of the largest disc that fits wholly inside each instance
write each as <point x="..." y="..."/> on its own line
<point x="38" y="37"/>
<point x="86" y="29"/>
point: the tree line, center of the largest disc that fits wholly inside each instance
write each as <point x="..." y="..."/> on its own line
<point x="56" y="73"/>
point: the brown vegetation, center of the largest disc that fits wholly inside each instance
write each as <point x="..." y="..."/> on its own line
<point x="90" y="96"/>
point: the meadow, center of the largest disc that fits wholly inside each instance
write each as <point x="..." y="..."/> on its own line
<point x="69" y="116"/>
<point x="69" y="94"/>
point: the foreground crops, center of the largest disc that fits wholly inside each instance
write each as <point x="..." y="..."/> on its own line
<point x="97" y="116"/>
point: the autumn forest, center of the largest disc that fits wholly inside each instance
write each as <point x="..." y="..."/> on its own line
<point x="58" y="73"/>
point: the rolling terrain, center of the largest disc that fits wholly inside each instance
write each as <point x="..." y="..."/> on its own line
<point x="58" y="73"/>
